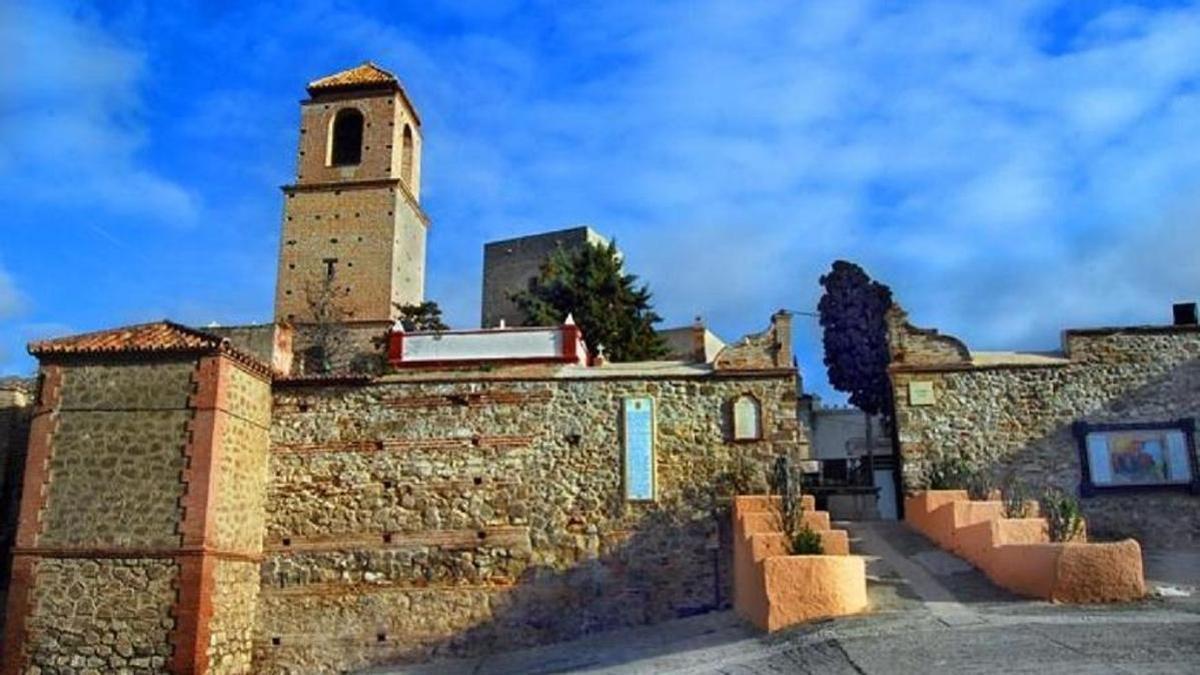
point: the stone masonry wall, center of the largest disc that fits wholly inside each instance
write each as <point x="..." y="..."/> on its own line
<point x="242" y="465"/>
<point x="406" y="518"/>
<point x="102" y="616"/>
<point x="234" y="603"/>
<point x="118" y="440"/>
<point x="238" y="520"/>
<point x="114" y="482"/>
<point x="1017" y="418"/>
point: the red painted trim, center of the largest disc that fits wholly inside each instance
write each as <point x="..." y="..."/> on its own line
<point x="20" y="591"/>
<point x="395" y="347"/>
<point x="33" y="500"/>
<point x="37" y="461"/>
<point x="193" y="612"/>
<point x="193" y="606"/>
<point x="570" y="346"/>
<point x="126" y="553"/>
<point x="479" y="331"/>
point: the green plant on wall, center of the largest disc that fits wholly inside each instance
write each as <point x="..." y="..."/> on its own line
<point x="784" y="481"/>
<point x="806" y="542"/>
<point x="1063" y="516"/>
<point x="1016" y="498"/>
<point x="980" y="484"/>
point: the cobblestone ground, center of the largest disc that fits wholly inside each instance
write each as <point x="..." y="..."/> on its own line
<point x="932" y="613"/>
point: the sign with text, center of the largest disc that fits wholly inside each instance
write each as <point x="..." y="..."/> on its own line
<point x="920" y="393"/>
<point x="639" y="448"/>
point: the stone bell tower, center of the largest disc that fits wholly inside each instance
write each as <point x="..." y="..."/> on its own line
<point x="352" y="221"/>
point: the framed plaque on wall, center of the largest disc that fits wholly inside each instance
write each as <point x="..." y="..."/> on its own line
<point x="1137" y="456"/>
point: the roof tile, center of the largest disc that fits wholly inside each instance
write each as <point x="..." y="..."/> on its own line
<point x="366" y="74"/>
<point x="160" y="337"/>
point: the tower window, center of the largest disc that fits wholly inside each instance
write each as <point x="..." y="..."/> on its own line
<point x="346" y="138"/>
<point x="406" y="157"/>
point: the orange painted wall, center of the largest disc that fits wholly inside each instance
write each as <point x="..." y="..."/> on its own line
<point x="774" y="590"/>
<point x="1016" y="553"/>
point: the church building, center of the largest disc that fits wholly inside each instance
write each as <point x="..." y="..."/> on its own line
<point x="187" y="500"/>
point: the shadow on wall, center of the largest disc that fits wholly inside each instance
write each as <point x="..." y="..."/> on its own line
<point x="1165" y="518"/>
<point x="674" y="561"/>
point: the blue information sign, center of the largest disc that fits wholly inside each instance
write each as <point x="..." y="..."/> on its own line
<point x="639" y="448"/>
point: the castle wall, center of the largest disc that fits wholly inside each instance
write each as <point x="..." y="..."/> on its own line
<point x="407" y="517"/>
<point x="1015" y="414"/>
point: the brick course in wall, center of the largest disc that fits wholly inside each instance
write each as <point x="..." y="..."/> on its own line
<point x="406" y="517"/>
<point x="1013" y="414"/>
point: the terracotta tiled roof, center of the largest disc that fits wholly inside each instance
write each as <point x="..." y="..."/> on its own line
<point x="367" y="74"/>
<point x="160" y="337"/>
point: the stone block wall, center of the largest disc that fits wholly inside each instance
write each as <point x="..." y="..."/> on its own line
<point x="100" y="503"/>
<point x="102" y="616"/>
<point x="141" y="521"/>
<point x="1014" y="414"/>
<point x="407" y="517"/>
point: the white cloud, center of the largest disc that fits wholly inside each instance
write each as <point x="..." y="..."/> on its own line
<point x="72" y="119"/>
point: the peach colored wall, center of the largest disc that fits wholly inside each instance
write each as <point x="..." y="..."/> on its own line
<point x="774" y="590"/>
<point x="802" y="588"/>
<point x="1016" y="554"/>
<point x="919" y="508"/>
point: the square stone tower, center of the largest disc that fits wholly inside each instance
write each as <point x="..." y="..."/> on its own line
<point x="512" y="265"/>
<point x="352" y="221"/>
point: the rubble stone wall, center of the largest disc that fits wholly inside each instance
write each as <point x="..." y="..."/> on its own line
<point x="234" y="604"/>
<point x="1017" y="419"/>
<point x="406" y="518"/>
<point x="118" y="448"/>
<point x="101" y="616"/>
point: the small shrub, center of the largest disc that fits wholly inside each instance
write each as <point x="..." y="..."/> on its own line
<point x="1063" y="515"/>
<point x="1016" y="498"/>
<point x="949" y="473"/>
<point x="806" y="542"/>
<point x="980" y="484"/>
<point x="784" y="480"/>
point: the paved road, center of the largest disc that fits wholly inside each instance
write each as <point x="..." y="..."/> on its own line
<point x="933" y="613"/>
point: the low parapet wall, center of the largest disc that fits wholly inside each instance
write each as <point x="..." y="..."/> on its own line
<point x="1017" y="554"/>
<point x="773" y="589"/>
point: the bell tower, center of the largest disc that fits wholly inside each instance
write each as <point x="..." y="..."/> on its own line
<point x="352" y="221"/>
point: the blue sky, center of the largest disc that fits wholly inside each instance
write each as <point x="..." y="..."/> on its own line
<point x="1009" y="169"/>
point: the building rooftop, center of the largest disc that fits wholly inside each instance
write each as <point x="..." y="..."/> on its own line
<point x="365" y="74"/>
<point x="1002" y="358"/>
<point x="159" y="337"/>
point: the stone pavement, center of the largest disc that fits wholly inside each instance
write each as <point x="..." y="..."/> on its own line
<point x="932" y="613"/>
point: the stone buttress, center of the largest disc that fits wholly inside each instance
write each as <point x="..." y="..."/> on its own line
<point x="140" y="530"/>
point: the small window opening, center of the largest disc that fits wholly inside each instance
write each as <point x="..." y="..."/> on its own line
<point x="406" y="157"/>
<point x="346" y="145"/>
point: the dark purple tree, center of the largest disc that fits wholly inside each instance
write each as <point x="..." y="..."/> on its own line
<point x="853" y="314"/>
